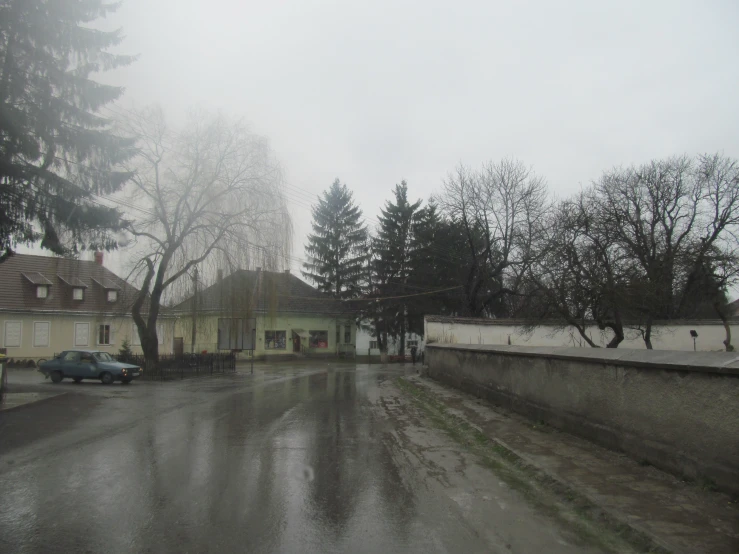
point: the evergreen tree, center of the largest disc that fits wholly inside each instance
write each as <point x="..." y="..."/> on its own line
<point x="394" y="247"/>
<point x="56" y="150"/>
<point x="336" y="248"/>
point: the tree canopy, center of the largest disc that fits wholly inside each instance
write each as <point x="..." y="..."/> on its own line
<point x="57" y="150"/>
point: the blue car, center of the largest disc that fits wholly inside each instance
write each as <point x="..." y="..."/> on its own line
<point x="88" y="364"/>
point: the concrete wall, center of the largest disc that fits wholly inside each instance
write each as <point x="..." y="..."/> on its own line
<point x="677" y="411"/>
<point x="665" y="337"/>
<point x="207" y="332"/>
<point x="61" y="334"/>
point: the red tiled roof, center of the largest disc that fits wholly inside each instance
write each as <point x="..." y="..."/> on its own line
<point x="22" y="273"/>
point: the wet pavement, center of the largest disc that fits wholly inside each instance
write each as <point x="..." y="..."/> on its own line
<point x="296" y="458"/>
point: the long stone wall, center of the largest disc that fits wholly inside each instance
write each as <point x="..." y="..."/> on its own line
<point x="676" y="410"/>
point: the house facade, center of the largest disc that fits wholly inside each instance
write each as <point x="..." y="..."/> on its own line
<point x="51" y="304"/>
<point x="368" y="349"/>
<point x="274" y="313"/>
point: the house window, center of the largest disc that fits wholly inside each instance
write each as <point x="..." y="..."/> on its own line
<point x="41" y="333"/>
<point x="275" y="340"/>
<point x="42" y="291"/>
<point x="78" y="293"/>
<point x="112" y="295"/>
<point x="104" y="338"/>
<point x="347" y="334"/>
<point x="373" y="345"/>
<point x="13" y="332"/>
<point x="160" y="333"/>
<point x="81" y="334"/>
<point x="318" y="339"/>
<point x="412" y="343"/>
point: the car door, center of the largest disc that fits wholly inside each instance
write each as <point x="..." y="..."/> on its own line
<point x="87" y="366"/>
<point x="68" y="363"/>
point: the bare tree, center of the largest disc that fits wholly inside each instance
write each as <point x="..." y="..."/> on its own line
<point x="578" y="275"/>
<point x="501" y="208"/>
<point x="210" y="190"/>
<point x="676" y="220"/>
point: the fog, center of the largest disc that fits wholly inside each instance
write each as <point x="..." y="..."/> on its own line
<point x="376" y="92"/>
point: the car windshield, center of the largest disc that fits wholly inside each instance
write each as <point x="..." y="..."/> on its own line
<point x="103" y="357"/>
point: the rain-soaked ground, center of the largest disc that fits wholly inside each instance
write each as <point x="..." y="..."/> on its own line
<point x="296" y="458"/>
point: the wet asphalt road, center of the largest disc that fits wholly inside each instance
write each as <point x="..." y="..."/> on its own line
<point x="292" y="459"/>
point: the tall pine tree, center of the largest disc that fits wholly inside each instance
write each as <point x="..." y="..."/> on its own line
<point x="393" y="248"/>
<point x="336" y="248"/>
<point x="56" y="150"/>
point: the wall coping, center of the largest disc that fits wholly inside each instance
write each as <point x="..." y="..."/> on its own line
<point x="723" y="363"/>
<point x="503" y="322"/>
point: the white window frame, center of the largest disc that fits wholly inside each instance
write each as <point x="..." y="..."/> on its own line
<point x="5" y="334"/>
<point x="110" y="334"/>
<point x="112" y="296"/>
<point x="74" y="338"/>
<point x="375" y="347"/>
<point x="48" y="335"/>
<point x="39" y="288"/>
<point x="81" y="291"/>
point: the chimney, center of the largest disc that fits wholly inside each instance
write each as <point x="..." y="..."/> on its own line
<point x="99" y="258"/>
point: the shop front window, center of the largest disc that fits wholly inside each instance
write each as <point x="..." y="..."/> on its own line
<point x="275" y="340"/>
<point x="318" y="339"/>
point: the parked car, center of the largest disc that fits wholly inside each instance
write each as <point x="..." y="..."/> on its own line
<point x="88" y="364"/>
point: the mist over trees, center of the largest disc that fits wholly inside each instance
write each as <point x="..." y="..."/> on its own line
<point x="57" y="149"/>
<point x="210" y="189"/>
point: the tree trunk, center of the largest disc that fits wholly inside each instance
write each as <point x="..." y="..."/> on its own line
<point x="618" y="336"/>
<point x="727" y="328"/>
<point x="648" y="333"/>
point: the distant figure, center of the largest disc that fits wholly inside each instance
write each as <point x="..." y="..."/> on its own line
<point x="414" y="349"/>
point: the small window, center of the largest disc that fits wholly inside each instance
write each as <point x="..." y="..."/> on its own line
<point x="373" y="345"/>
<point x="318" y="339"/>
<point x="78" y="293"/>
<point x="13" y="333"/>
<point x="86" y="358"/>
<point x="104" y="335"/>
<point x="71" y="356"/>
<point x="275" y="340"/>
<point x="112" y="295"/>
<point x="41" y="333"/>
<point x="42" y="291"/>
<point x="347" y="334"/>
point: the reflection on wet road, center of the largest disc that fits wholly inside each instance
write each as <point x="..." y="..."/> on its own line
<point x="288" y="460"/>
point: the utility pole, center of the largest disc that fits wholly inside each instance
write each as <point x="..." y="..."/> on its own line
<point x="194" y="308"/>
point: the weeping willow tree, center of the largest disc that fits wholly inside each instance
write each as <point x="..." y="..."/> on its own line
<point x="56" y="149"/>
<point x="209" y="195"/>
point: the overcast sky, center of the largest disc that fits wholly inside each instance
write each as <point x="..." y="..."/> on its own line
<point x="376" y="92"/>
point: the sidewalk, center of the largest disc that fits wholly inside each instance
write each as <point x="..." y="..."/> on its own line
<point x="678" y="516"/>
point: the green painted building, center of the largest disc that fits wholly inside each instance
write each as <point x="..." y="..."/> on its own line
<point x="275" y="312"/>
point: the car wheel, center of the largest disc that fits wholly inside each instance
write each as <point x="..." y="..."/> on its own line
<point x="77" y="379"/>
<point x="56" y="376"/>
<point x="106" y="378"/>
<point x="126" y="381"/>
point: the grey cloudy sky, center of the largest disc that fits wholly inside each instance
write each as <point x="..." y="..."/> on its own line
<point x="378" y="91"/>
